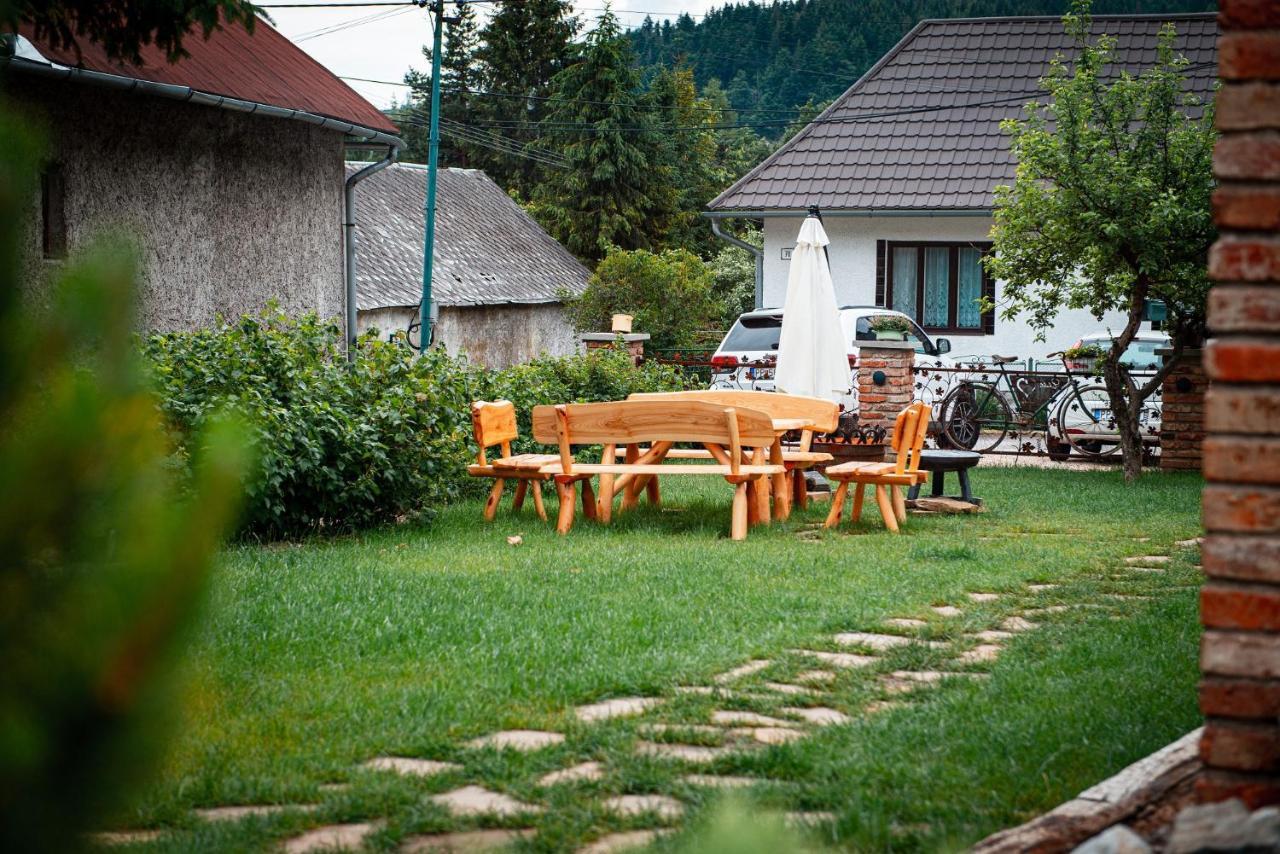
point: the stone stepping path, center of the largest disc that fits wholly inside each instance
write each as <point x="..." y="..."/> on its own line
<point x="409" y="766"/>
<point x="692" y="753"/>
<point x="524" y="740"/>
<point x="847" y="660"/>
<point x="1017" y="624"/>
<point x="772" y="735"/>
<point x="751" y="667"/>
<point x="477" y="800"/>
<point x="791" y="690"/>
<point x="628" y="840"/>
<point x="980" y="654"/>
<point x="679" y="729"/>
<point x="807" y="819"/>
<point x="992" y="635"/>
<point x="463" y="842"/>
<point x="1040" y="588"/>
<point x="984" y="597"/>
<point x="1150" y="569"/>
<point x="112" y="838"/>
<point x="715" y="781"/>
<point x="947" y="611"/>
<point x="746" y="719"/>
<point x="342" y="837"/>
<point x="216" y="814"/>
<point x="622" y="707"/>
<point x="902" y="681"/>
<point x="818" y="715"/>
<point x="880" y="643"/>
<point x="906" y="623"/>
<point x="1147" y="560"/>
<point x="662" y="806"/>
<point x="1186" y="544"/>
<point x="583" y="772"/>
<point x="813" y="677"/>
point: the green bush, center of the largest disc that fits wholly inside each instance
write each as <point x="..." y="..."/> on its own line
<point x="341" y="446"/>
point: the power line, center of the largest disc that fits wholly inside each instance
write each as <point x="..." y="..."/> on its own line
<point x="357" y="22"/>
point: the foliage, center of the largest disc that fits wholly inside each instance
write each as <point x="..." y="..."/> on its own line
<point x="105" y="555"/>
<point x="669" y="294"/>
<point x="1110" y="207"/>
<point x="459" y="78"/>
<point x="341" y="446"/>
<point x="889" y="323"/>
<point x="617" y="189"/>
<point x="124" y="27"/>
<point x="733" y="277"/>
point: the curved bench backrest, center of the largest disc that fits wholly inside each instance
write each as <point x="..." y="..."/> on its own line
<point x="628" y="422"/>
<point x="819" y="415"/>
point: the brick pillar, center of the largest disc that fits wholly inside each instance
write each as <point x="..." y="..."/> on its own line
<point x="891" y="362"/>
<point x="634" y="342"/>
<point x="1240" y="602"/>
<point x="1182" y="413"/>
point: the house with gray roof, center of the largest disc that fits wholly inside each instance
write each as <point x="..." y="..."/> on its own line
<point x="499" y="280"/>
<point x="903" y="166"/>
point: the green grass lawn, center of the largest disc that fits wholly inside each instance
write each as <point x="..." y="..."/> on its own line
<point x="412" y="641"/>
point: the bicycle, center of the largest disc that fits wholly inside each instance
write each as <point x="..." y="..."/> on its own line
<point x="977" y="415"/>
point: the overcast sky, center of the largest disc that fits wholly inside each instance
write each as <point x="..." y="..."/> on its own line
<point x="390" y="42"/>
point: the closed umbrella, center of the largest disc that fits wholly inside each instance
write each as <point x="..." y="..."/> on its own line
<point x="812" y="357"/>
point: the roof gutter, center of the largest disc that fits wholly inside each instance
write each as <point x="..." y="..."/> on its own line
<point x="827" y="212"/>
<point x="349" y="241"/>
<point x="754" y="250"/>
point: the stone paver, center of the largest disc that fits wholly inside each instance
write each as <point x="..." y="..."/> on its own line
<point x="993" y="635"/>
<point x="664" y="807"/>
<point x="818" y="715"/>
<point x="1017" y="624"/>
<point x="664" y="729"/>
<point x="342" y="837"/>
<point x="723" y="717"/>
<point x="620" y="707"/>
<point x="254" y="810"/>
<point x="776" y="735"/>
<point x="475" y="800"/>
<point x="984" y="597"/>
<point x="1155" y="569"/>
<point x="980" y="654"/>
<point x="753" y="666"/>
<point x="838" y="659"/>
<point x="409" y="766"/>
<point x="901" y="681"/>
<point x="334" y="788"/>
<point x="463" y="842"/>
<point x="878" y="642"/>
<point x="626" y="841"/>
<point x="1185" y="544"/>
<point x="906" y="623"/>
<point x="791" y="690"/>
<point x="694" y="753"/>
<point x="1040" y="588"/>
<point x="807" y="819"/>
<point x="813" y="677"/>
<point x="584" y="771"/>
<point x="1048" y="609"/>
<point x="524" y="740"/>
<point x="717" y="781"/>
<point x="1148" y="560"/>
<point x="947" y="611"/>
<point x="125" y="837"/>
<point x="875" y="707"/>
<point x="701" y="690"/>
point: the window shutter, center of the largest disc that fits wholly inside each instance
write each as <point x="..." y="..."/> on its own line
<point x="988" y="293"/>
<point x="880" y="266"/>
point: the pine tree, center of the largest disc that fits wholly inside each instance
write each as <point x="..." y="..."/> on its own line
<point x="459" y="75"/>
<point x="617" y="190"/>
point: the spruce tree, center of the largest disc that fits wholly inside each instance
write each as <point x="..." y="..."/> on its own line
<point x="459" y="75"/>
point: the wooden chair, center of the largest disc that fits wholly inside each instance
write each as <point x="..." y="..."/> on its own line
<point x="889" y="479"/>
<point x="494" y="423"/>
<point x="811" y="415"/>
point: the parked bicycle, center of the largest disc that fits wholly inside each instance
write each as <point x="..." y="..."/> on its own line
<point x="979" y="414"/>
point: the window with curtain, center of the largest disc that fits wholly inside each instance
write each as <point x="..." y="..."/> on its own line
<point x="939" y="285"/>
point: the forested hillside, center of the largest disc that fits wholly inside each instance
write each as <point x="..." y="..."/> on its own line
<point x="775" y="56"/>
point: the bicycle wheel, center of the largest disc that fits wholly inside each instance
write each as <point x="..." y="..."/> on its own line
<point x="1086" y="424"/>
<point x="975" y="417"/>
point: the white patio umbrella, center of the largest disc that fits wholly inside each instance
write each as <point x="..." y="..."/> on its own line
<point x="812" y="356"/>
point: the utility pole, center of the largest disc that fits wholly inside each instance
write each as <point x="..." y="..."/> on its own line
<point x="433" y="155"/>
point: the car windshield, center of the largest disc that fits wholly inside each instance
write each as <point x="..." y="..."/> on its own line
<point x="1139" y="355"/>
<point x="863" y="332"/>
<point x="754" y="334"/>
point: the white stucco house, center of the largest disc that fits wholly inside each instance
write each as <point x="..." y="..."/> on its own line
<point x="903" y="166"/>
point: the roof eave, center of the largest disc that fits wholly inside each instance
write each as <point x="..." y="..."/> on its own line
<point x="759" y="213"/>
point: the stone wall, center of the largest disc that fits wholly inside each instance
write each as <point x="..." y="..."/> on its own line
<point x="880" y="403"/>
<point x="1240" y="602"/>
<point x="228" y="210"/>
<point x="1182" y="414"/>
<point x="495" y="336"/>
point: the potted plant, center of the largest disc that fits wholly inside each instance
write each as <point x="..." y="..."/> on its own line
<point x="890" y="327"/>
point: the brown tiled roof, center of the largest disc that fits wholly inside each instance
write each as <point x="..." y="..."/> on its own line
<point x="921" y="129"/>
<point x="264" y="67"/>
<point x="488" y="250"/>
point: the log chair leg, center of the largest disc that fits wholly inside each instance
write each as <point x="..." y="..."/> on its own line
<point x="495" y="495"/>
<point x="780" y="487"/>
<point x="738" y="528"/>
<point x="588" y="499"/>
<point x="762" y="490"/>
<point x="886" y="508"/>
<point x="568" y="495"/>
<point x="522" y="486"/>
<point x="604" y="503"/>
<point x="799" y="490"/>
<point x="858" y="495"/>
<point x="537" y="500"/>
<point x="837" y="505"/>
<point x="652" y="491"/>
<point x="899" y="503"/>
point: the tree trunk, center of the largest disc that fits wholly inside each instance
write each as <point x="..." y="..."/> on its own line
<point x="1126" y="407"/>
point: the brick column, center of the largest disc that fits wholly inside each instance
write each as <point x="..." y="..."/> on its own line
<point x="1240" y="602"/>
<point x="1182" y="413"/>
<point x="634" y="342"/>
<point x="890" y="362"/>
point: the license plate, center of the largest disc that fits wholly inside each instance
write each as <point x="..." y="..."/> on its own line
<point x="1099" y="414"/>
<point x="760" y="373"/>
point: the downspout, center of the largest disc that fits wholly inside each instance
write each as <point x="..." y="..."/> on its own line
<point x="754" y="250"/>
<point x="349" y="240"/>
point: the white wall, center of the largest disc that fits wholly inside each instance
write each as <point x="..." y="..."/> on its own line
<point x="853" y="269"/>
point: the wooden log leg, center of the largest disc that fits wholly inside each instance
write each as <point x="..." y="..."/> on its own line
<point x="495" y="495"/>
<point x="568" y="495"/>
<point x="738" y="528"/>
<point x="630" y="495"/>
<point x="858" y="495"/>
<point x="780" y="488"/>
<point x="537" y="500"/>
<point x="522" y="486"/>
<point x="588" y="499"/>
<point x="899" y="503"/>
<point x="604" y="504"/>
<point x="762" y="490"/>
<point x="886" y="508"/>
<point x="799" y="490"/>
<point x="837" y="505"/>
<point x="652" y="492"/>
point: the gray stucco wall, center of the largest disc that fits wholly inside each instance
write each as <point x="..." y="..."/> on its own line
<point x="229" y="210"/>
<point x="495" y="336"/>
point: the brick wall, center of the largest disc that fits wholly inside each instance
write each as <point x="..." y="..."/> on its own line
<point x="1182" y="416"/>
<point x="881" y="403"/>
<point x="1240" y="602"/>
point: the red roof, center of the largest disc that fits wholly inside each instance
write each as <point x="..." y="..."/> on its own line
<point x="264" y="67"/>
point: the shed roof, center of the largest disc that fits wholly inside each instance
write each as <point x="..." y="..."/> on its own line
<point x="264" y="68"/>
<point x="920" y="131"/>
<point x="488" y="250"/>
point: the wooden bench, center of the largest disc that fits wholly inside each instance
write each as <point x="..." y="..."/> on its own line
<point x="731" y="437"/>
<point x="494" y="423"/>
<point x="889" y="479"/>
<point x="807" y="414"/>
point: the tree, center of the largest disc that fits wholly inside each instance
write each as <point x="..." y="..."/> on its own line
<point x="733" y="278"/>
<point x="1110" y="208"/>
<point x="123" y="27"/>
<point x="691" y="150"/>
<point x="617" y="189"/>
